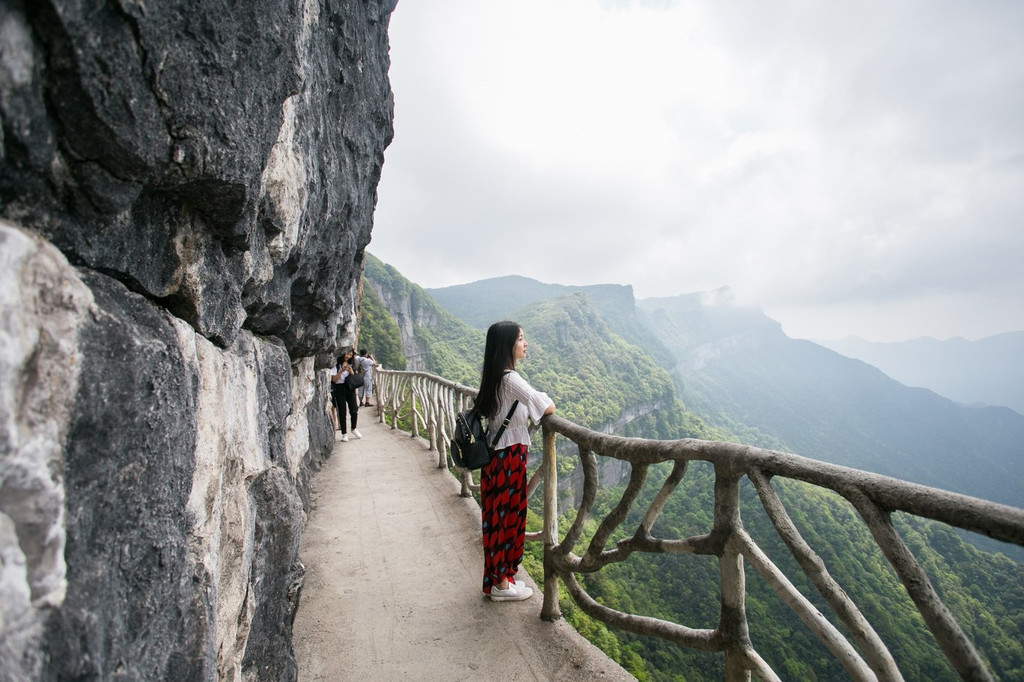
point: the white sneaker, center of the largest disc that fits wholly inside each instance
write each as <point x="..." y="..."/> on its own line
<point x="515" y="592"/>
<point x="344" y="438"/>
<point x="355" y="432"/>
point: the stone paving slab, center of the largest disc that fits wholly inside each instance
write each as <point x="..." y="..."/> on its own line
<point x="394" y="562"/>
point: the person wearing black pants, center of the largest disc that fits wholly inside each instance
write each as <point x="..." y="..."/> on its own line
<point x="345" y="396"/>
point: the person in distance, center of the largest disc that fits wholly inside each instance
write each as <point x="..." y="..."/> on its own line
<point x="503" y="480"/>
<point x="366" y="390"/>
<point x="345" y="395"/>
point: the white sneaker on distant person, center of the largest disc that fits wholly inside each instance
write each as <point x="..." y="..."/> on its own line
<point x="355" y="432"/>
<point x="344" y="438"/>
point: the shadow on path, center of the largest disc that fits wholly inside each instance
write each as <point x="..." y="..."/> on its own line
<point x="393" y="570"/>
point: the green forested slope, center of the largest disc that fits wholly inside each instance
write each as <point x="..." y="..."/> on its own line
<point x="738" y="367"/>
<point x="490" y="300"/>
<point x="378" y="332"/>
<point x="592" y="374"/>
<point x="982" y="590"/>
<point x="431" y="338"/>
<point x="595" y="375"/>
<point x="481" y="303"/>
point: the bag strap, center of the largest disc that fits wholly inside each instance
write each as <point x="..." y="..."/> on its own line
<point x="504" y="424"/>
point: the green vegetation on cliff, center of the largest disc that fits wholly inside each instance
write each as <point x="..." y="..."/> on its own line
<point x="432" y="339"/>
<point x="378" y="332"/>
<point x="982" y="590"/>
<point x="593" y="375"/>
<point x="603" y="380"/>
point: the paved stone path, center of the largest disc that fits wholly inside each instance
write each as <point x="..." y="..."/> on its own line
<point x="392" y="589"/>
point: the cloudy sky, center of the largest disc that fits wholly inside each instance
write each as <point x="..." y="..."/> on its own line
<point x="851" y="168"/>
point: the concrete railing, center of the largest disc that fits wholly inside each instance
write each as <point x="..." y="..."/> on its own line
<point x="427" y="405"/>
<point x="431" y="403"/>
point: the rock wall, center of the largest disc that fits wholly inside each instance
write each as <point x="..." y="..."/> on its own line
<point x="186" y="190"/>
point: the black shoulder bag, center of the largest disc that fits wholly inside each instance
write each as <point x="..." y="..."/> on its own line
<point x="469" y="446"/>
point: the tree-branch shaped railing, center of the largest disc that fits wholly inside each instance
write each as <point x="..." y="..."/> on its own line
<point x="428" y="402"/>
<point x="874" y="497"/>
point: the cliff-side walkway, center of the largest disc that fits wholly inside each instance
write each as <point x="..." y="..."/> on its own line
<point x="392" y="589"/>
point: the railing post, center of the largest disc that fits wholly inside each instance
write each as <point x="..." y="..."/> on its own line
<point x="415" y="412"/>
<point x="465" y="477"/>
<point x="389" y="402"/>
<point x="549" y="534"/>
<point x="944" y="627"/>
<point x="446" y="399"/>
<point x="733" y="619"/>
<point x="379" y="389"/>
<point x="430" y="414"/>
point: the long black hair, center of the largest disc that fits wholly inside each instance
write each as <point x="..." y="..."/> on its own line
<point x="498" y="358"/>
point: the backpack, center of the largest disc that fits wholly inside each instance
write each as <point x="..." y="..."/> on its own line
<point x="469" y="446"/>
<point x="355" y="379"/>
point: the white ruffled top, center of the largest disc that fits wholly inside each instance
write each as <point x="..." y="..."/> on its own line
<point x="532" y="404"/>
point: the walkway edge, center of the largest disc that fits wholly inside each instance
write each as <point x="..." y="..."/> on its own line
<point x="392" y="589"/>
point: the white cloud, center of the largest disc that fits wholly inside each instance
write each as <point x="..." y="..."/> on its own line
<point x="816" y="159"/>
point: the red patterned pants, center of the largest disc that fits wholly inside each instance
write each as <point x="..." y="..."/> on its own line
<point x="503" y="498"/>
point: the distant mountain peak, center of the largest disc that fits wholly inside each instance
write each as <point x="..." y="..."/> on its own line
<point x="988" y="371"/>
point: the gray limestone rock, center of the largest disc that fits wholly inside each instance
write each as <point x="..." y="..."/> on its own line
<point x="42" y="307"/>
<point x="129" y="462"/>
<point x="186" y="190"/>
<point x="222" y="162"/>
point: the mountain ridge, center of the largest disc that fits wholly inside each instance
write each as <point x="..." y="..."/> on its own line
<point x="968" y="372"/>
<point x="737" y="370"/>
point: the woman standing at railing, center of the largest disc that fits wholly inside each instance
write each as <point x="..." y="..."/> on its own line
<point x="503" y="480"/>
